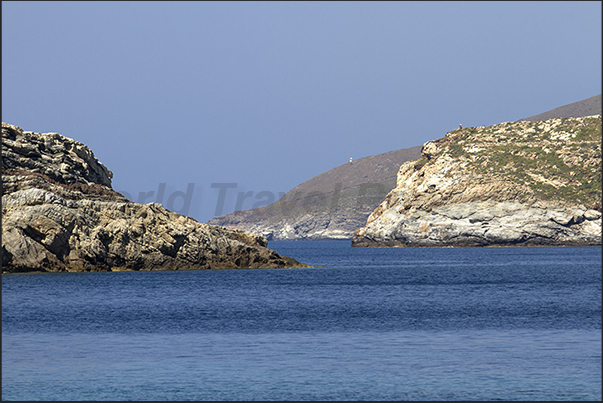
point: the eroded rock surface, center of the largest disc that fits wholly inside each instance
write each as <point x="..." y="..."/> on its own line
<point x="515" y="183"/>
<point x="59" y="213"/>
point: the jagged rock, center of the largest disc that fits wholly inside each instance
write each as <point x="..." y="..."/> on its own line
<point x="59" y="213"/>
<point x="520" y="183"/>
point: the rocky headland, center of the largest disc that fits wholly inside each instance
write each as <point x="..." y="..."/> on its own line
<point x="59" y="213"/>
<point x="336" y="203"/>
<point x="523" y="183"/>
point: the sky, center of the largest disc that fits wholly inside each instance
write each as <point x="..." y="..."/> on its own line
<point x="199" y="104"/>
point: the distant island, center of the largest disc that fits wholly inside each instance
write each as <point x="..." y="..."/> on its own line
<point x="59" y="213"/>
<point x="515" y="183"/>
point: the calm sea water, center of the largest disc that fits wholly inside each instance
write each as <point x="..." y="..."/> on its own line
<point x="370" y="324"/>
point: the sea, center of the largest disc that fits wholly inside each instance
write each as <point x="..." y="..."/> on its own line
<point x="495" y="323"/>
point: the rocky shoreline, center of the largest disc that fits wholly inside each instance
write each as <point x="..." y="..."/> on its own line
<point x="512" y="184"/>
<point x="489" y="224"/>
<point x="59" y="213"/>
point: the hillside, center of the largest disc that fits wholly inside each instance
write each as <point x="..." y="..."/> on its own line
<point x="586" y="107"/>
<point x="514" y="183"/>
<point x="331" y="205"/>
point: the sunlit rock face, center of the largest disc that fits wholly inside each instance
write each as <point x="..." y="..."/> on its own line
<point x="59" y="213"/>
<point x="515" y="183"/>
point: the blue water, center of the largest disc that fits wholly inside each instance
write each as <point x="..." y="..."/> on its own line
<point x="369" y="324"/>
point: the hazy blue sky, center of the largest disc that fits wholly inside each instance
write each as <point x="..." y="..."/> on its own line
<point x="269" y="94"/>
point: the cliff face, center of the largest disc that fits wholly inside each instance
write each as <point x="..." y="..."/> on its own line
<point x="59" y="213"/>
<point x="331" y="205"/>
<point x="520" y="183"/>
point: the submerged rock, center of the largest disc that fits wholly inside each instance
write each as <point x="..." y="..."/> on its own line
<point x="519" y="183"/>
<point x="59" y="213"/>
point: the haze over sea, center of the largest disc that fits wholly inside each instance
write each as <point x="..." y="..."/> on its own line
<point x="369" y="324"/>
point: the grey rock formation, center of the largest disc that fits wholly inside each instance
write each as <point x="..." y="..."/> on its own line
<point x="59" y="213"/>
<point x="520" y="183"/>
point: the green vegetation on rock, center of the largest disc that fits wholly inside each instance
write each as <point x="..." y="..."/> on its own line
<point x="556" y="159"/>
<point x="515" y="183"/>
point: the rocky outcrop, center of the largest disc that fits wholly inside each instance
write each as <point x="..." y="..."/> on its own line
<point x="331" y="205"/>
<point x="519" y="183"/>
<point x="59" y="213"/>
